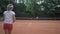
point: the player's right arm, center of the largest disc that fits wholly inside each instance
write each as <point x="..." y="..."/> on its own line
<point x="14" y="18"/>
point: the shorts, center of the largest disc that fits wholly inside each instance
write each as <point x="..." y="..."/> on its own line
<point x="7" y="26"/>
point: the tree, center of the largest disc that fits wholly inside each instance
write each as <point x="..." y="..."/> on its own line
<point x="3" y="4"/>
<point x="20" y="9"/>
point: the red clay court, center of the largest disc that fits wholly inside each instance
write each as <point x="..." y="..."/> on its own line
<point x="34" y="27"/>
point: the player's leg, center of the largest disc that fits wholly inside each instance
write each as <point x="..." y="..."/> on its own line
<point x="6" y="31"/>
<point x="10" y="29"/>
<point x="5" y="28"/>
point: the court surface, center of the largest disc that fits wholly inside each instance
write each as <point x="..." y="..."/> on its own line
<point x="34" y="27"/>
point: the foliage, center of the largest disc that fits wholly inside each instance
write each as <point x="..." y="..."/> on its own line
<point x="31" y="8"/>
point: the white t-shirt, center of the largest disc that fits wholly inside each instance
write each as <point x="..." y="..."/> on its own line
<point x="8" y="18"/>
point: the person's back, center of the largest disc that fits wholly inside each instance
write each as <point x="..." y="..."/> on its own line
<point x="8" y="17"/>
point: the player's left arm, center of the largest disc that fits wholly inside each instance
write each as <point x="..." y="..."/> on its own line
<point x="3" y="17"/>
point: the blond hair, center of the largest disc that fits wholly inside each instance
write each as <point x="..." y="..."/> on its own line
<point x="10" y="5"/>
